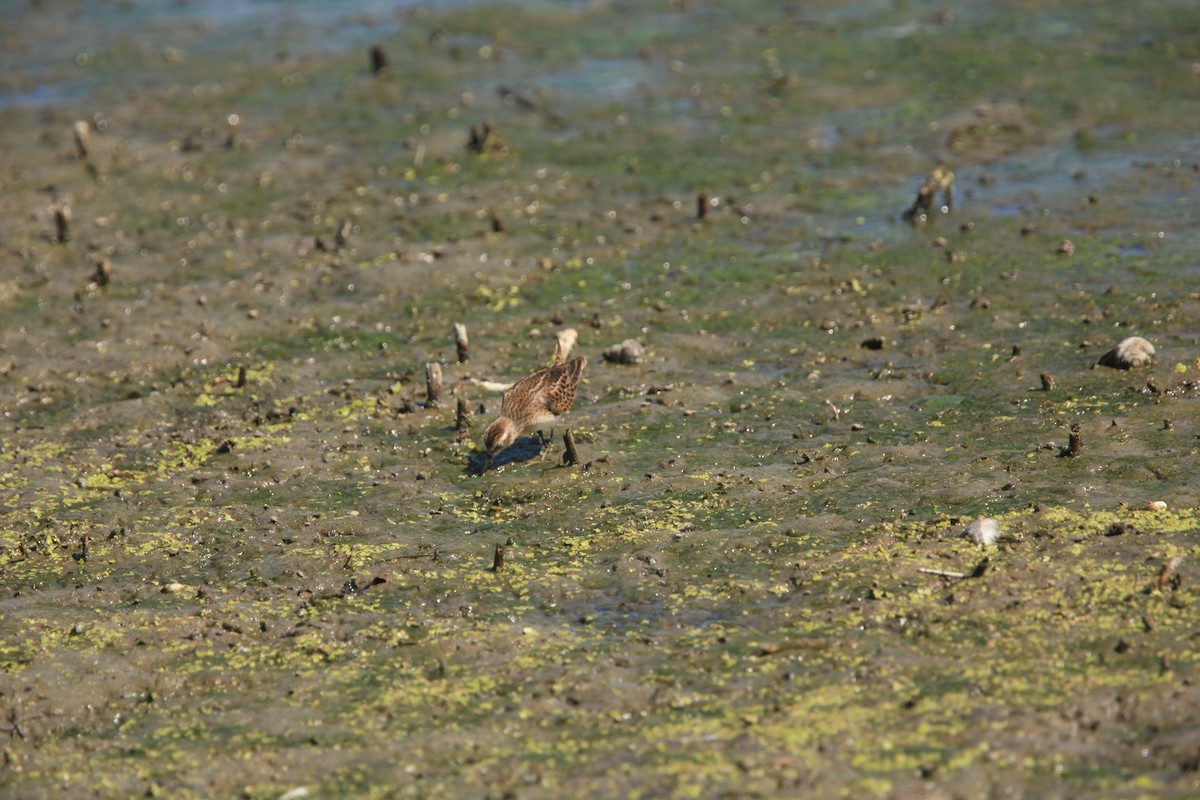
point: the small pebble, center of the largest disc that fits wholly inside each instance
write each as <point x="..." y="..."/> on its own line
<point x="1156" y="505"/>
<point x="629" y="351"/>
<point x="983" y="531"/>
<point x="1132" y="352"/>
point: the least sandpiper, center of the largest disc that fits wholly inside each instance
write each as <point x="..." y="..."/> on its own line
<point x="533" y="400"/>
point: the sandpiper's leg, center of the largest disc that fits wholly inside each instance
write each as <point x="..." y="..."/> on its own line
<point x="545" y="442"/>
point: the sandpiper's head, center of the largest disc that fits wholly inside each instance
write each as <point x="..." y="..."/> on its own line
<point x="499" y="435"/>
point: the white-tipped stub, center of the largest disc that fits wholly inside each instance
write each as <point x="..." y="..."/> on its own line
<point x="983" y="531"/>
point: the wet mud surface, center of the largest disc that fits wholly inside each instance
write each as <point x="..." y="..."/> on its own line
<point x="241" y="554"/>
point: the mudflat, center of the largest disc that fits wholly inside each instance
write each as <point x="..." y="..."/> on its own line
<point x="870" y="511"/>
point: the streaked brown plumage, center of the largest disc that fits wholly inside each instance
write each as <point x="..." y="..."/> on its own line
<point x="534" y="400"/>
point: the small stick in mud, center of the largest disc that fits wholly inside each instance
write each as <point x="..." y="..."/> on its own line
<point x="461" y="342"/>
<point x="941" y="179"/>
<point x="941" y="573"/>
<point x="103" y="274"/>
<point x="462" y="416"/>
<point x="83" y="547"/>
<point x="342" y="236"/>
<point x="977" y="572"/>
<point x="498" y="223"/>
<point x="241" y="377"/>
<point x="1047" y="381"/>
<point x="83" y="138"/>
<point x="702" y="204"/>
<point x="378" y="60"/>
<point x="1168" y="571"/>
<point x="62" y="223"/>
<point x="433" y="384"/>
<point x="498" y="557"/>
<point x="570" y="455"/>
<point x="1075" y="444"/>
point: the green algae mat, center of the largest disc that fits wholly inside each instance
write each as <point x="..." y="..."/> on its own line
<point x="874" y="253"/>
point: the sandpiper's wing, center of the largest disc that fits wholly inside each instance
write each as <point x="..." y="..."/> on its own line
<point x="552" y="388"/>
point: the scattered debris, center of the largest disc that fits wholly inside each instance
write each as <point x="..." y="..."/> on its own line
<point x="1168" y="575"/>
<point x="977" y="572"/>
<point x="485" y="140"/>
<point x="462" y="415"/>
<point x="941" y="179"/>
<point x="570" y="454"/>
<point x="629" y="351"/>
<point x="941" y="573"/>
<point x="378" y="60"/>
<point x="103" y="274"/>
<point x="62" y="223"/>
<point x="984" y="531"/>
<point x="1128" y="354"/>
<point x="433" y="384"/>
<point x="460" y="341"/>
<point x="83" y="138"/>
<point x="1075" y="443"/>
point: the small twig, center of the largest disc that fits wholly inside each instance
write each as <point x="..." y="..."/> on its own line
<point x="977" y="572"/>
<point x="498" y="557"/>
<point x="241" y="377"/>
<point x="103" y="274"/>
<point x="1075" y="444"/>
<point x="837" y="412"/>
<point x="702" y="204"/>
<point x="570" y="455"/>
<point x="427" y="554"/>
<point x="462" y="415"/>
<point x="62" y="223"/>
<point x="16" y="726"/>
<point x="378" y="60"/>
<point x="433" y="383"/>
<point x="1168" y="570"/>
<point x="83" y="138"/>
<point x="941" y="573"/>
<point x="461" y="342"/>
